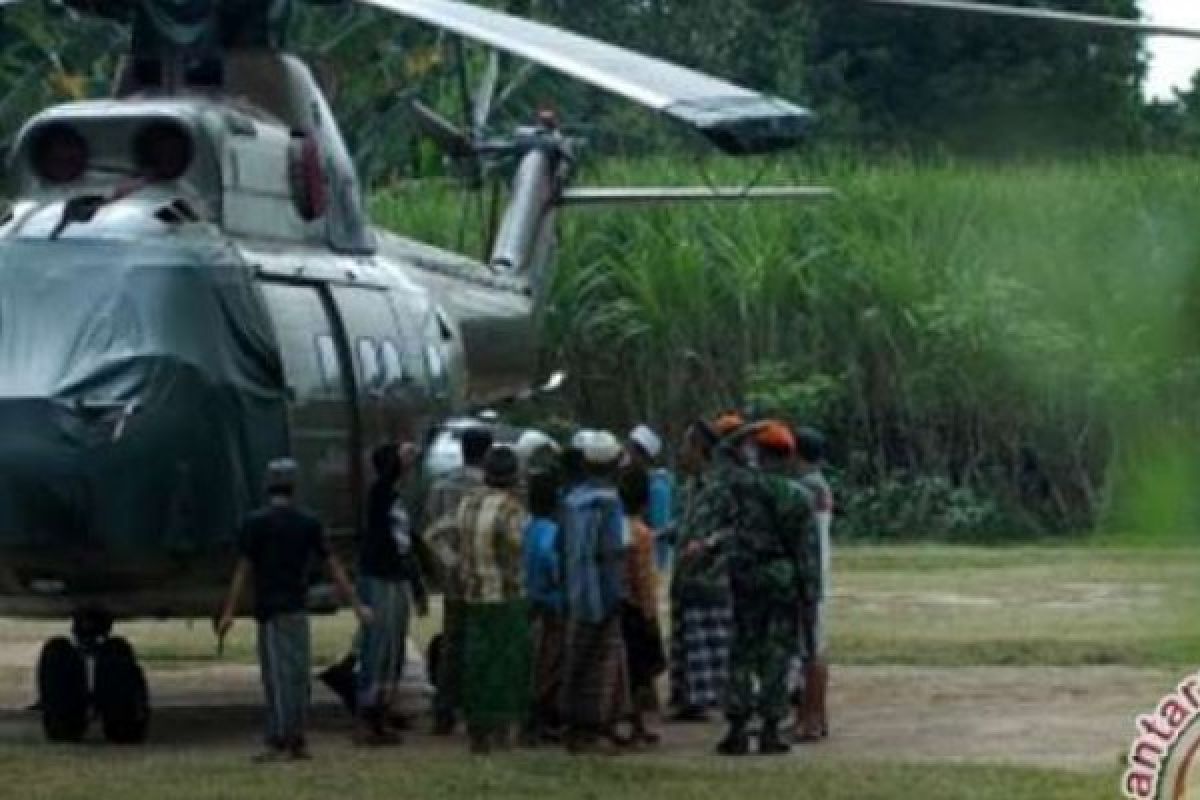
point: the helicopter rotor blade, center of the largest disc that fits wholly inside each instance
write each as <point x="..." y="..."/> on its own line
<point x="485" y="95"/>
<point x="449" y="137"/>
<point x="739" y="121"/>
<point x="1047" y="15"/>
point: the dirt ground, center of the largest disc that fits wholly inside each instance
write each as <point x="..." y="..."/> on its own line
<point x="901" y="608"/>
<point x="1077" y="718"/>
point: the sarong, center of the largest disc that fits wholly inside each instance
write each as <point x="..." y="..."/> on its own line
<point x="284" y="656"/>
<point x="700" y="640"/>
<point x="811" y="621"/>
<point x="549" y="633"/>
<point x="381" y="651"/>
<point x="449" y="659"/>
<point x="496" y="658"/>
<point x="644" y="654"/>
<point x="595" y="684"/>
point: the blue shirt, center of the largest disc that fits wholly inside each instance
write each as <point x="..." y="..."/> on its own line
<point x="543" y="565"/>
<point x="593" y="530"/>
<point x="659" y="512"/>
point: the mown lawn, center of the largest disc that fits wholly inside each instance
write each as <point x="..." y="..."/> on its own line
<point x="64" y="775"/>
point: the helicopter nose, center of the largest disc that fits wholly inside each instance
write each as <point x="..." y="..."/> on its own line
<point x="43" y="492"/>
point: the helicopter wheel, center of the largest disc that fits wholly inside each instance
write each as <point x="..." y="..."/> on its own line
<point x="63" y="691"/>
<point x="122" y="698"/>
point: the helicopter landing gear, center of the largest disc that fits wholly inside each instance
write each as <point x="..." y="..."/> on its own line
<point x="118" y="695"/>
<point x="63" y="691"/>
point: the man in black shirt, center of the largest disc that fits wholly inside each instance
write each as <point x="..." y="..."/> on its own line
<point x="388" y="572"/>
<point x="278" y="546"/>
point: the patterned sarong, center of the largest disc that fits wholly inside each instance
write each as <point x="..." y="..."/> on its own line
<point x="700" y="639"/>
<point x="284" y="656"/>
<point x="381" y="650"/>
<point x="449" y="659"/>
<point x="496" y="657"/>
<point x="644" y="654"/>
<point x="549" y="633"/>
<point x="595" y="685"/>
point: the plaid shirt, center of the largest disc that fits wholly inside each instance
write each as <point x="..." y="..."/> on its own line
<point x="490" y="522"/>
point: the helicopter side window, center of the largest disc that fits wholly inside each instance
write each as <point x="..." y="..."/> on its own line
<point x="327" y="356"/>
<point x="393" y="366"/>
<point x="369" y="362"/>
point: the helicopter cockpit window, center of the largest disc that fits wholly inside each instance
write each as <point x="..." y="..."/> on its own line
<point x="373" y="376"/>
<point x="331" y="370"/>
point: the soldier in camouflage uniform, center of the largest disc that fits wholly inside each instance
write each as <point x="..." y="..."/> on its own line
<point x="774" y="568"/>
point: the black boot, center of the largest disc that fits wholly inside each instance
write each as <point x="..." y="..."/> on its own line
<point x="770" y="743"/>
<point x="736" y="741"/>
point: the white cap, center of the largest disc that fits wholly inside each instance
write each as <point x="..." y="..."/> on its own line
<point x="581" y="438"/>
<point x="444" y="455"/>
<point x="601" y="448"/>
<point x="648" y="440"/>
<point x="530" y="442"/>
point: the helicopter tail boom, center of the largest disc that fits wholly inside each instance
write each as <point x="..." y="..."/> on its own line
<point x="607" y="197"/>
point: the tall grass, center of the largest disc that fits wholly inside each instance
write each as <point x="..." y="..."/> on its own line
<point x="989" y="348"/>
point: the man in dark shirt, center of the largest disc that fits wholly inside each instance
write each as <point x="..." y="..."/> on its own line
<point x="278" y="546"/>
<point x="389" y="579"/>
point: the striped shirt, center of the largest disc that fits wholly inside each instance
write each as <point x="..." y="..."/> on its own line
<point x="490" y="523"/>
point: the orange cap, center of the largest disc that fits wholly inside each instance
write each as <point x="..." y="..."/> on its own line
<point x="776" y="437"/>
<point x="727" y="423"/>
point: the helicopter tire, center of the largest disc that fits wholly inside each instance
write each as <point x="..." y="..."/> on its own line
<point x="121" y="694"/>
<point x="63" y="691"/>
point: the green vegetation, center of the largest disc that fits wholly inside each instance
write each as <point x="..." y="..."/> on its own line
<point x="993" y="350"/>
<point x="65" y="775"/>
<point x="882" y="79"/>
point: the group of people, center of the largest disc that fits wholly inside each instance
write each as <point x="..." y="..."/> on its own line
<point x="549" y="560"/>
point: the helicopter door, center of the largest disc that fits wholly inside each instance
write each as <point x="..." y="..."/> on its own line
<point x="385" y="389"/>
<point x="321" y="419"/>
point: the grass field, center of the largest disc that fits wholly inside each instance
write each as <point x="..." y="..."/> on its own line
<point x="922" y="713"/>
<point x="65" y="776"/>
<point x="917" y="605"/>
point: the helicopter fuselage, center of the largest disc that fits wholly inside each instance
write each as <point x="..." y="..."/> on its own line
<point x="173" y="314"/>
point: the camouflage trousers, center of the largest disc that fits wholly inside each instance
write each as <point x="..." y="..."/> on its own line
<point x="764" y="641"/>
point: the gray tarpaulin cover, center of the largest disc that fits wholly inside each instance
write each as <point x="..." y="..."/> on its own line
<point x="139" y="398"/>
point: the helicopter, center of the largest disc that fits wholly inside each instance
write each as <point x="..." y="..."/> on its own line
<point x="190" y="286"/>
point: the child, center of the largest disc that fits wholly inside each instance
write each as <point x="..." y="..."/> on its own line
<point x="639" y="616"/>
<point x="812" y="676"/>
<point x="542" y="558"/>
